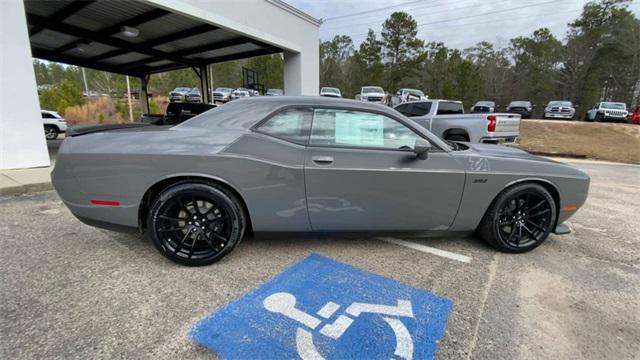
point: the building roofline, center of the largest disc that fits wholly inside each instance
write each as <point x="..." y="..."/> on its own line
<point x="295" y="11"/>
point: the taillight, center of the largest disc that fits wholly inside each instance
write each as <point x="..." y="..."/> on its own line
<point x="491" y="127"/>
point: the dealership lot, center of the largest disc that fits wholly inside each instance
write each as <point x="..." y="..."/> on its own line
<point x="70" y="290"/>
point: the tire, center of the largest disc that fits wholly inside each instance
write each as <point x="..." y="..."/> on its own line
<point x="51" y="132"/>
<point x="457" y="138"/>
<point x="509" y="220"/>
<point x="196" y="223"/>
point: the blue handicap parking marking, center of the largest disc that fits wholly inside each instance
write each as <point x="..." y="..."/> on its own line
<point x="323" y="309"/>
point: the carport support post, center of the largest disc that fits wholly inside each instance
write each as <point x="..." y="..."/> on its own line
<point x="144" y="95"/>
<point x="204" y="83"/>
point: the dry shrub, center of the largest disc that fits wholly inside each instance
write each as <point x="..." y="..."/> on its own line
<point x="100" y="110"/>
<point x="106" y="110"/>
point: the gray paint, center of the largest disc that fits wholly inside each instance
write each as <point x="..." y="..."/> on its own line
<point x="361" y="190"/>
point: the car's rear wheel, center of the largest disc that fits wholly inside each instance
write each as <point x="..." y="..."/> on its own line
<point x="519" y="219"/>
<point x="196" y="223"/>
<point x="51" y="132"/>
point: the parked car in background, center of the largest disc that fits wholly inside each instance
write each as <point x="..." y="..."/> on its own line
<point x="410" y="95"/>
<point x="274" y="92"/>
<point x="483" y="107"/>
<point x="190" y="188"/>
<point x="607" y="111"/>
<point x="194" y="95"/>
<point x="179" y="94"/>
<point x="372" y="94"/>
<point x="177" y="113"/>
<point x="559" y="109"/>
<point x="54" y="124"/>
<point x="330" y="92"/>
<point x="635" y="116"/>
<point x="523" y="108"/>
<point x="222" y="94"/>
<point x="446" y="119"/>
<point x="240" y="93"/>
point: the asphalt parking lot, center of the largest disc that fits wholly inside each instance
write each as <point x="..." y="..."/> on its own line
<point x="73" y="291"/>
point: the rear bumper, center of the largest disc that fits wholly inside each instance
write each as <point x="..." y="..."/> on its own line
<point x="504" y="140"/>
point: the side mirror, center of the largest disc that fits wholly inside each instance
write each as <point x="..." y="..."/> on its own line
<point x="422" y="148"/>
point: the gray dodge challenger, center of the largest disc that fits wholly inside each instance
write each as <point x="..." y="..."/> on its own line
<point x="307" y="164"/>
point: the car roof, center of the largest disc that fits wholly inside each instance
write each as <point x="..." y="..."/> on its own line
<point x="246" y="112"/>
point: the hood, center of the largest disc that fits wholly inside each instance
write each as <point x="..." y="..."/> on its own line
<point x="492" y="150"/>
<point x="504" y="159"/>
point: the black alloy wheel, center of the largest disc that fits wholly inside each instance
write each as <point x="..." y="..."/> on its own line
<point x="520" y="219"/>
<point x="51" y="132"/>
<point x="195" y="223"/>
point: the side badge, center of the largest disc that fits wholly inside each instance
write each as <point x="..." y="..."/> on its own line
<point x="479" y="181"/>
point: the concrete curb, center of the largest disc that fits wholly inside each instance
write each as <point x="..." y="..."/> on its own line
<point x="560" y="155"/>
<point x="24" y="181"/>
<point x="25" y="189"/>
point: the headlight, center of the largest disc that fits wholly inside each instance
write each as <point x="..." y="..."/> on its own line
<point x="529" y="109"/>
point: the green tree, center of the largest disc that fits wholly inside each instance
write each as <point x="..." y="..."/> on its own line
<point x="60" y="97"/>
<point x="400" y="48"/>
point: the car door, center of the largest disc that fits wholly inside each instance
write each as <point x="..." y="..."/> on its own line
<point x="361" y="174"/>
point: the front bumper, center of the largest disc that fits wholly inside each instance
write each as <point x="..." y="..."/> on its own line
<point x="553" y="115"/>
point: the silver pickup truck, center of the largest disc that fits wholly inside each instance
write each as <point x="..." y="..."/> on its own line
<point x="446" y="119"/>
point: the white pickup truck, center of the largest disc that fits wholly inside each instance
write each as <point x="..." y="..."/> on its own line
<point x="446" y="119"/>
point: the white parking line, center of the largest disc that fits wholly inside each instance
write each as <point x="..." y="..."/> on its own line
<point x="427" y="249"/>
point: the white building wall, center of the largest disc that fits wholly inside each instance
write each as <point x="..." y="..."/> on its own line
<point x="22" y="141"/>
<point x="271" y="21"/>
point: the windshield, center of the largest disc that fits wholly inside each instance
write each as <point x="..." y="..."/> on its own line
<point x="617" y="106"/>
<point x="224" y="90"/>
<point x="485" y="103"/>
<point x="330" y="90"/>
<point x="372" y="89"/>
<point x="520" y="103"/>
<point x="182" y="89"/>
<point x="560" y="103"/>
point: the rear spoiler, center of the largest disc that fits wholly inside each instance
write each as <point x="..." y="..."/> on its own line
<point x="88" y="129"/>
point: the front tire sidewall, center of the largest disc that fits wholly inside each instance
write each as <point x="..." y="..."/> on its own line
<point x="489" y="226"/>
<point x="215" y="194"/>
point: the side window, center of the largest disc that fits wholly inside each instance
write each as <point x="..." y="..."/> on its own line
<point x="47" y="116"/>
<point x="404" y="109"/>
<point x="421" y="108"/>
<point x="360" y="129"/>
<point x="448" y="108"/>
<point x="290" y="124"/>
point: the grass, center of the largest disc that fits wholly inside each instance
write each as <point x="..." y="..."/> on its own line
<point x="601" y="141"/>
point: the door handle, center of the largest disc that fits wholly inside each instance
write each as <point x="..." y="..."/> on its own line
<point x="322" y="160"/>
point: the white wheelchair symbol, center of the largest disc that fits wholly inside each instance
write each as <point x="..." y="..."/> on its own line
<point x="285" y="304"/>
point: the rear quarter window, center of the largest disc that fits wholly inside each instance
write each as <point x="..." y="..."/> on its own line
<point x="449" y="108"/>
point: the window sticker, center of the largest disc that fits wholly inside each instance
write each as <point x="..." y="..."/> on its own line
<point x="359" y="129"/>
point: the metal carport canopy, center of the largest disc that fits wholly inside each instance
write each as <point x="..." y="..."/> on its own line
<point x="90" y="34"/>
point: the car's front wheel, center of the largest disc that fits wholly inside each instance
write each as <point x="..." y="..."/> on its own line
<point x="196" y="223"/>
<point x="51" y="132"/>
<point x="519" y="219"/>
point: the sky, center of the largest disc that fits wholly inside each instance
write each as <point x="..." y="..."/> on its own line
<point x="456" y="23"/>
